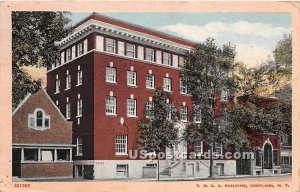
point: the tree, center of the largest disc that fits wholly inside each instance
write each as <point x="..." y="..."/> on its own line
<point x="208" y="74"/>
<point x="33" y="44"/>
<point x="157" y="131"/>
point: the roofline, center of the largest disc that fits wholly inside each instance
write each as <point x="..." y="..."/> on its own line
<point x="48" y="97"/>
<point x="21" y="103"/>
<point x="156" y="32"/>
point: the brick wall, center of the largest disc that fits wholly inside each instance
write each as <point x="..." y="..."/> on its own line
<point x="47" y="170"/>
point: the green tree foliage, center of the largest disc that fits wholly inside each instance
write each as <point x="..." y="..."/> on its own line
<point x="283" y="51"/>
<point x="158" y="132"/>
<point x="33" y="44"/>
<point x="208" y="71"/>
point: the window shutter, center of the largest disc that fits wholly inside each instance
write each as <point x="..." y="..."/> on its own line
<point x="62" y="57"/>
<point x="85" y="46"/>
<point x="175" y="60"/>
<point x="158" y="57"/>
<point x="121" y="50"/>
<point x="73" y="52"/>
<point x="99" y="43"/>
<point x="140" y="52"/>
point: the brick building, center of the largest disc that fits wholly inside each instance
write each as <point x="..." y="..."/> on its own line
<point x="104" y="82"/>
<point x="42" y="139"/>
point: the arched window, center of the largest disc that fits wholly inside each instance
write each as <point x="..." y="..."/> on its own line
<point x="38" y="120"/>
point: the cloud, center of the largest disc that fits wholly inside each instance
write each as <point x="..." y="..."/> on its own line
<point x="254" y="41"/>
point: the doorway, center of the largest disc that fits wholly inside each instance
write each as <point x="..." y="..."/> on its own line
<point x="268" y="159"/>
<point x="16" y="162"/>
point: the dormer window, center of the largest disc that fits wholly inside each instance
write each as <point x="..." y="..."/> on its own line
<point x="38" y="120"/>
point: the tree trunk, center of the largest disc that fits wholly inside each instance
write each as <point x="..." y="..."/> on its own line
<point x="157" y="169"/>
<point x="211" y="161"/>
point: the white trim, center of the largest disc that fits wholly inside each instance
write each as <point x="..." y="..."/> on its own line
<point x="21" y="103"/>
<point x="66" y="146"/>
<point x="93" y="25"/>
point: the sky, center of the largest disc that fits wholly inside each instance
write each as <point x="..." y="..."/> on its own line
<point x="255" y="35"/>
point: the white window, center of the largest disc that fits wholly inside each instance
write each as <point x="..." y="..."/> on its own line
<point x="166" y="58"/>
<point x="149" y="54"/>
<point x="38" y="120"/>
<point x="158" y="57"/>
<point x="57" y="85"/>
<point x="110" y="105"/>
<point x="79" y="107"/>
<point x="69" y="57"/>
<point x="121" y="48"/>
<point x="79" y="49"/>
<point x="68" y="110"/>
<point x="122" y="170"/>
<point x="183" y="87"/>
<point x="130" y="50"/>
<point x="198" y="149"/>
<point x="131" y="107"/>
<point x="167" y="84"/>
<point x="218" y="148"/>
<point x="224" y="95"/>
<point x="110" y="74"/>
<point x="79" y="146"/>
<point x="47" y="155"/>
<point x="149" y="108"/>
<point x="68" y="81"/>
<point x="121" y="145"/>
<point x="140" y="51"/>
<point x="63" y="154"/>
<point x="131" y="78"/>
<point x="184" y="113"/>
<point x="197" y="113"/>
<point x="150" y="81"/>
<point x="180" y="61"/>
<point x="110" y="45"/>
<point x="79" y="77"/>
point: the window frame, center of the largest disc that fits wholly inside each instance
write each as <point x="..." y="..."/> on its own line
<point x="68" y="110"/>
<point x="108" y="102"/>
<point x="183" y="113"/>
<point x="121" y="145"/>
<point x="79" y="145"/>
<point x="110" y="48"/>
<point x="151" y="56"/>
<point x="132" y="78"/>
<point x="128" y="110"/>
<point x="167" y="58"/>
<point x="131" y="52"/>
<point x="68" y="82"/>
<point x="149" y="108"/>
<point x="79" y="77"/>
<point x="79" y="107"/>
<point x="32" y="120"/>
<point x="110" y="73"/>
<point x="169" y="86"/>
<point x="79" y="49"/>
<point x="57" y="85"/>
<point x="150" y="82"/>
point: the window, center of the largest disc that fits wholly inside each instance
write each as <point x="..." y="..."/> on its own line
<point x="167" y="84"/>
<point x="224" y="95"/>
<point x="166" y="58"/>
<point x="130" y="50"/>
<point x="79" y="107"/>
<point x="275" y="157"/>
<point x="131" y="78"/>
<point x="110" y="45"/>
<point x="183" y="86"/>
<point x="149" y="54"/>
<point x="110" y="105"/>
<point x="197" y="113"/>
<point x="122" y="170"/>
<point x="69" y="57"/>
<point x="150" y="81"/>
<point x="198" y="149"/>
<point x="47" y="155"/>
<point x="63" y="154"/>
<point x="131" y="107"/>
<point x="68" y="110"/>
<point x="57" y="85"/>
<point x="149" y="108"/>
<point x="121" y="48"/>
<point x="110" y="75"/>
<point x="79" y="146"/>
<point x="79" y="77"/>
<point x="121" y="145"/>
<point x="258" y="159"/>
<point x="183" y="113"/>
<point x="68" y="81"/>
<point x="79" y="49"/>
<point x="38" y="120"/>
<point x="218" y="148"/>
<point x="30" y="154"/>
<point x="181" y="61"/>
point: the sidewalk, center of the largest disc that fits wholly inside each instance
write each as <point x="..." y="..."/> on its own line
<point x="146" y="179"/>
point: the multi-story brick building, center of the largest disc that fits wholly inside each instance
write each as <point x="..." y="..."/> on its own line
<point x="105" y="80"/>
<point x="42" y="139"/>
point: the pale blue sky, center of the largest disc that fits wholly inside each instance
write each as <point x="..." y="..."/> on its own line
<point x="254" y="34"/>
